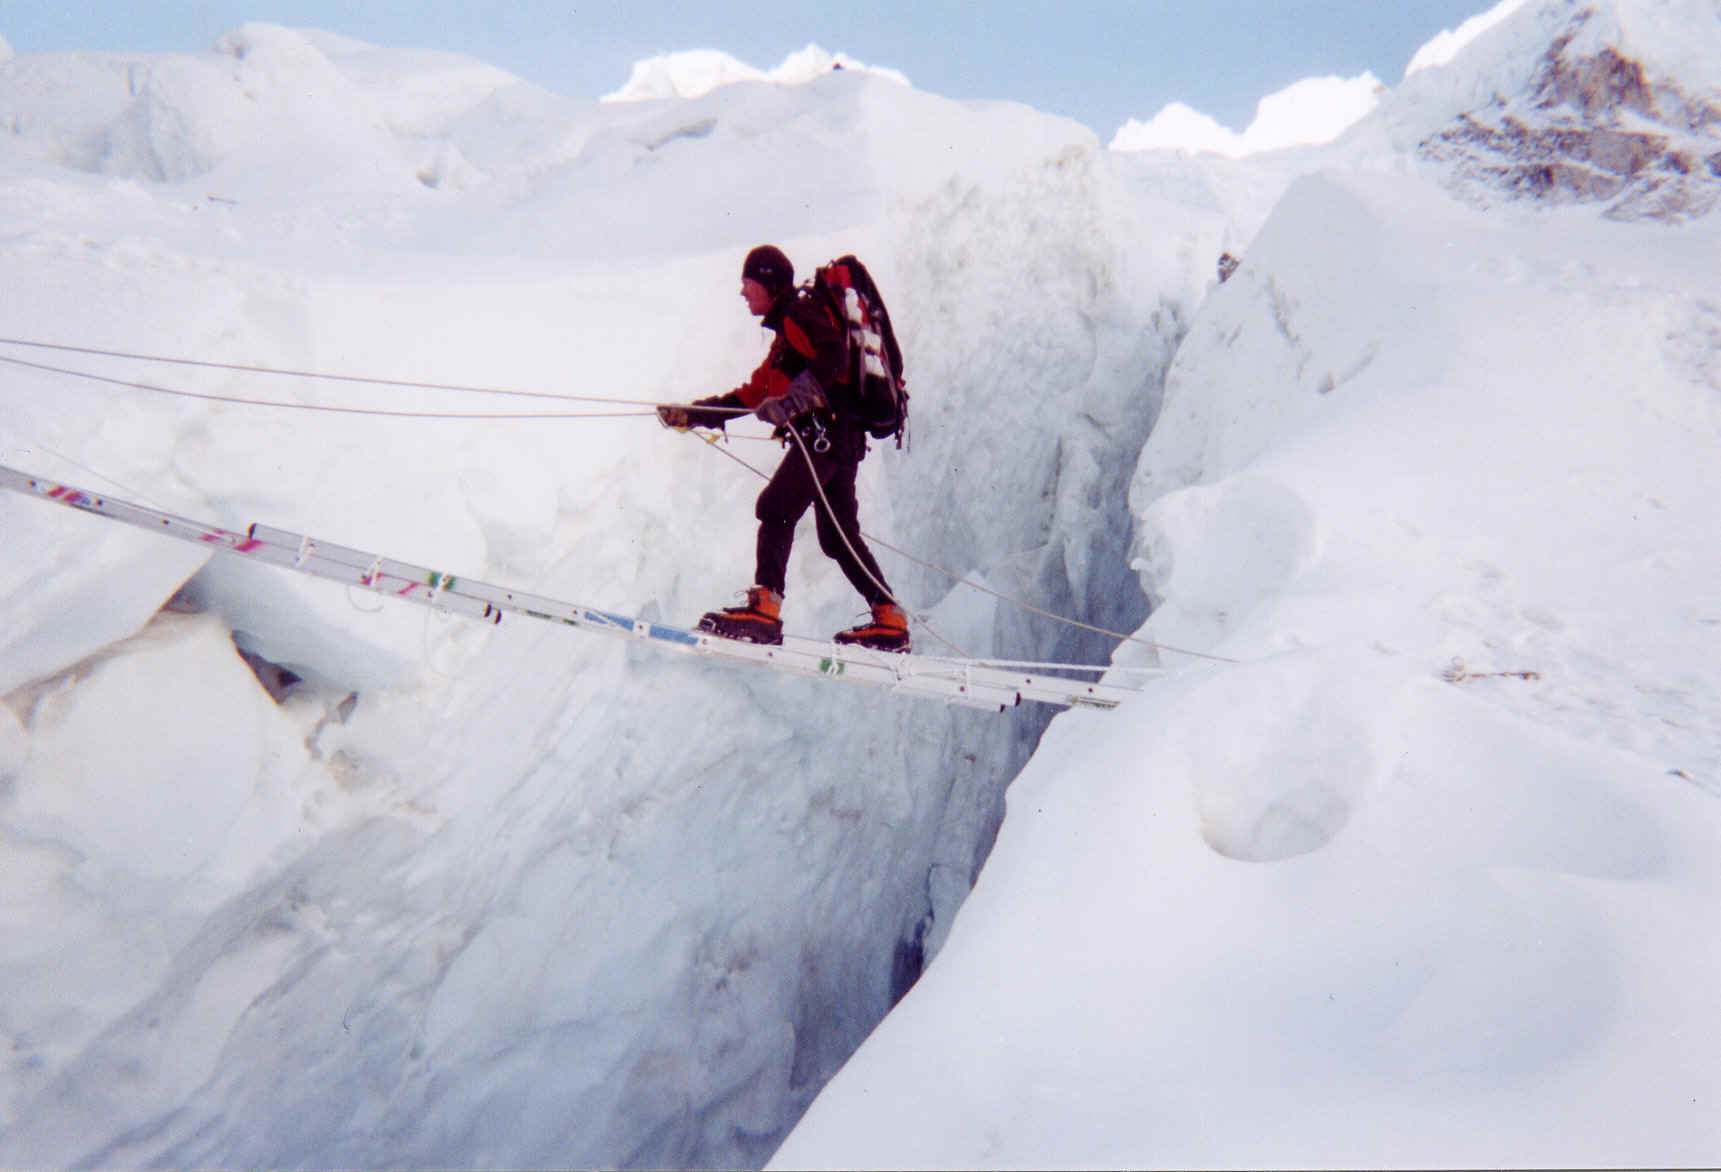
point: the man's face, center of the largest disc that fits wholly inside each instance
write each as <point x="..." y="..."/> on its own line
<point x="757" y="297"/>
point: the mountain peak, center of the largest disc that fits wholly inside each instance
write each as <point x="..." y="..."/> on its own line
<point x="1615" y="101"/>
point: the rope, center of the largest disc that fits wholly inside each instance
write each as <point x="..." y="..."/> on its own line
<point x="334" y="377"/>
<point x="855" y="554"/>
<point x="526" y="416"/>
<point x="346" y="378"/>
<point x="711" y="441"/>
<point x="1038" y="665"/>
<point x="336" y="410"/>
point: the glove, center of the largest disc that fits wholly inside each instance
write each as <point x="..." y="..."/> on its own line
<point x="802" y="395"/>
<point x="703" y="413"/>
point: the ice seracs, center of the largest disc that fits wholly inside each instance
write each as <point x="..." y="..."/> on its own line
<point x="269" y="101"/>
<point x="695" y="72"/>
<point x="1312" y="111"/>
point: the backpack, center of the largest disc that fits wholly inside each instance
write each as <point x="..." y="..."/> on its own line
<point x="874" y="395"/>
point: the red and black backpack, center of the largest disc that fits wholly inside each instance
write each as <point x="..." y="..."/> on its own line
<point x="874" y="395"/>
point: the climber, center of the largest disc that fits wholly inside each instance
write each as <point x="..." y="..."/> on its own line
<point x="793" y="389"/>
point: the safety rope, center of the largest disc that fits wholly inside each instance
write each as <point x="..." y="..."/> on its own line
<point x="831" y="513"/>
<point x="324" y="375"/>
<point x="393" y="413"/>
<point x="711" y="442"/>
<point x="237" y="401"/>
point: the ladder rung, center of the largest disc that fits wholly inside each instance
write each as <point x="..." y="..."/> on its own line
<point x="953" y="681"/>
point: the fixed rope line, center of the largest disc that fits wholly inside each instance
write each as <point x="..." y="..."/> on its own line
<point x="831" y="514"/>
<point x="325" y="375"/>
<point x="711" y="441"/>
<point x="337" y="410"/>
<point x="505" y="416"/>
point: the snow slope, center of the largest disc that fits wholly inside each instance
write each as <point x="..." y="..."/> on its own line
<point x="1426" y="876"/>
<point x="507" y="896"/>
<point x="1337" y="904"/>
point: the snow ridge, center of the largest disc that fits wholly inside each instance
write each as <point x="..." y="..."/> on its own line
<point x="1310" y="112"/>
<point x="696" y="72"/>
<point x="1448" y="43"/>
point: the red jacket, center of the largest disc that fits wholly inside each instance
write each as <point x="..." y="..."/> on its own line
<point x="808" y="339"/>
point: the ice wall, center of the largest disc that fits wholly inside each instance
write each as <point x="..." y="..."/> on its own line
<point x="487" y="896"/>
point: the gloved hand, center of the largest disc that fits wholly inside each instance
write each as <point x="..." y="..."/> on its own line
<point x="802" y="395"/>
<point x="701" y="413"/>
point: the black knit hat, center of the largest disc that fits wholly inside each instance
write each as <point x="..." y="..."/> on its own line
<point x="768" y="266"/>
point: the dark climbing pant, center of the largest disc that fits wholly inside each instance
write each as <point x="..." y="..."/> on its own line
<point x="792" y="490"/>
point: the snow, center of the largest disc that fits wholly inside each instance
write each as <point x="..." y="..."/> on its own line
<point x="1412" y="862"/>
<point x="694" y="73"/>
<point x="472" y="868"/>
<point x="1405" y="959"/>
<point x="180" y="812"/>
<point x="1449" y="43"/>
<point x="1310" y="112"/>
<point x="1677" y="43"/>
<point x="1316" y="907"/>
<point x="1682" y="39"/>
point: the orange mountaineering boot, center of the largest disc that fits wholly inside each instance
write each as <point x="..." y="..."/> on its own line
<point x="760" y="621"/>
<point x="888" y="630"/>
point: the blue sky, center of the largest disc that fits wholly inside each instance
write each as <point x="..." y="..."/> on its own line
<point x="1100" y="62"/>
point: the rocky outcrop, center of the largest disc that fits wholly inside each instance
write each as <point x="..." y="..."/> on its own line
<point x="1594" y="126"/>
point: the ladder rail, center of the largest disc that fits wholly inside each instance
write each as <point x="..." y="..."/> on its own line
<point x="955" y="681"/>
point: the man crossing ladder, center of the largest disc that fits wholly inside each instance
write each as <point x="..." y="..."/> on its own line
<point x="793" y="389"/>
